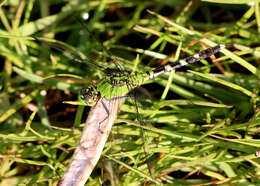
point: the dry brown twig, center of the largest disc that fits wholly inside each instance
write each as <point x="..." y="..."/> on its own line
<point x="91" y="143"/>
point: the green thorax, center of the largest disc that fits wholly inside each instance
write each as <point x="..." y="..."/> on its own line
<point x="119" y="83"/>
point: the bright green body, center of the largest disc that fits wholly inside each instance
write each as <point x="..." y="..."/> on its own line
<point x="110" y="87"/>
<point x="118" y="83"/>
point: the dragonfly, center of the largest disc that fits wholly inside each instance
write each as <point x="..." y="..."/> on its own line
<point x="121" y="82"/>
<point x="117" y="83"/>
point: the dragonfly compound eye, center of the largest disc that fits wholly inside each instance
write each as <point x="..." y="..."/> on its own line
<point x="89" y="95"/>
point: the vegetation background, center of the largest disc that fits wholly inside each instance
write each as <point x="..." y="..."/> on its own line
<point x="201" y="126"/>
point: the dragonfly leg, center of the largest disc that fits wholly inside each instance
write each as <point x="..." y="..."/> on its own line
<point x="142" y="133"/>
<point x="107" y="111"/>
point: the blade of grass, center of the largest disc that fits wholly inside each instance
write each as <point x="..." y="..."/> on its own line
<point x="226" y="83"/>
<point x="18" y="104"/>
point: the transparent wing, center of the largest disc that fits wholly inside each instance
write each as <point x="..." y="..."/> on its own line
<point x="114" y="59"/>
<point x="92" y="59"/>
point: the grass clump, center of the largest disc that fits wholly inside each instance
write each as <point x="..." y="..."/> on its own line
<point x="201" y="125"/>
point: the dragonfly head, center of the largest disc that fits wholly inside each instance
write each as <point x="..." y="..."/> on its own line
<point x="89" y="95"/>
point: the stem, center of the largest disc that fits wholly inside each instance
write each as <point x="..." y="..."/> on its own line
<point x="91" y="143"/>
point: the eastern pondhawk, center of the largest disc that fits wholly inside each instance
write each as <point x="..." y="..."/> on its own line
<point x="117" y="83"/>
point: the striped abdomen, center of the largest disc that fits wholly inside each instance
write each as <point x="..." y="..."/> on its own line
<point x="183" y="62"/>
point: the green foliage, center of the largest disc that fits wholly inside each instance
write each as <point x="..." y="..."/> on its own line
<point x="201" y="126"/>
